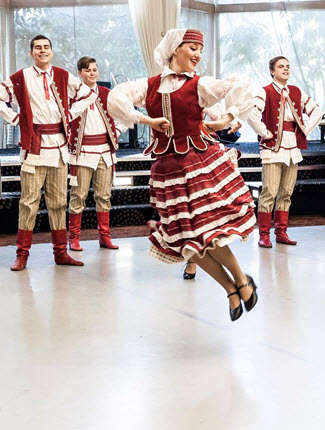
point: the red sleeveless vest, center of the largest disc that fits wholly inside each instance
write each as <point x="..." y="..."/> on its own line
<point x="273" y="117"/>
<point x="60" y="91"/>
<point x="77" y="132"/>
<point x="183" y="111"/>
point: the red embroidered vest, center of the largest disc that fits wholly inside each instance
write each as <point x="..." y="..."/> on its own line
<point x="273" y="117"/>
<point x="78" y="124"/>
<point x="183" y="111"/>
<point x="60" y="92"/>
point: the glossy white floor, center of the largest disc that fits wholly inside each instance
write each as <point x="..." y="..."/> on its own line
<point x="124" y="343"/>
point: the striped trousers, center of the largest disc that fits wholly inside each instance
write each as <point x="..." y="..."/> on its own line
<point x="278" y="182"/>
<point x="54" y="180"/>
<point x="101" y="178"/>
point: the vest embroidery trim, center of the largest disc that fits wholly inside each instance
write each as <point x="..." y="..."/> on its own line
<point x="80" y="130"/>
<point x="107" y="122"/>
<point x="172" y="140"/>
<point x="80" y="122"/>
<point x="266" y="143"/>
<point x="167" y="112"/>
<point x="61" y="109"/>
<point x="26" y="118"/>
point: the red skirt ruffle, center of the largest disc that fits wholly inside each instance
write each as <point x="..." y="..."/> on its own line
<point x="202" y="201"/>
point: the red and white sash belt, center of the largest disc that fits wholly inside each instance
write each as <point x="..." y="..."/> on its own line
<point x="289" y="126"/>
<point x="95" y="139"/>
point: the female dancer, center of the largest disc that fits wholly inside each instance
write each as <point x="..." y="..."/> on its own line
<point x="215" y="112"/>
<point x="202" y="200"/>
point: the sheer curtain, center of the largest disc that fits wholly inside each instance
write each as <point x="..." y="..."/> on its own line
<point x="7" y="56"/>
<point x="202" y="19"/>
<point x="7" y="41"/>
<point x="151" y="19"/>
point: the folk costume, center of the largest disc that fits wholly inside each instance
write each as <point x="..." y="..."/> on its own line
<point x="215" y="113"/>
<point x="92" y="158"/>
<point x="200" y="197"/>
<point x="44" y="118"/>
<point x="282" y="109"/>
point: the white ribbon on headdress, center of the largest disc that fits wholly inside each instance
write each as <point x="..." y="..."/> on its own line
<point x="164" y="51"/>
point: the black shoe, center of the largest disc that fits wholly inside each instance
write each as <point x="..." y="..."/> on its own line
<point x="188" y="275"/>
<point x="237" y="312"/>
<point x="251" y="302"/>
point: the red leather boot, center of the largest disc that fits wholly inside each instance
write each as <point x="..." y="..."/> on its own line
<point x="264" y="225"/>
<point x="281" y="224"/>
<point x="74" y="232"/>
<point x="24" y="242"/>
<point x="105" y="240"/>
<point x="59" y="240"/>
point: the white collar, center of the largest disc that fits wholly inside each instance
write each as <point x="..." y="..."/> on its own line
<point x="40" y="71"/>
<point x="279" y="87"/>
<point x="95" y="88"/>
<point x="168" y="71"/>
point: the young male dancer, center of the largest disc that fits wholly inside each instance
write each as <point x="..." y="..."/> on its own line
<point x="94" y="141"/>
<point x="283" y="134"/>
<point x="42" y="92"/>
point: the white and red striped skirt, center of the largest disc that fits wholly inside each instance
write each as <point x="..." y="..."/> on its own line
<point x="202" y="201"/>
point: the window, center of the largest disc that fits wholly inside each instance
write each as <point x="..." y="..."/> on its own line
<point x="248" y="44"/>
<point x="104" y="32"/>
<point x="202" y="21"/>
<point x="247" y="40"/>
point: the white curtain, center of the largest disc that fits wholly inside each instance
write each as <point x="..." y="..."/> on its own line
<point x="202" y="20"/>
<point x="7" y="42"/>
<point x="151" y="19"/>
<point x="7" y="57"/>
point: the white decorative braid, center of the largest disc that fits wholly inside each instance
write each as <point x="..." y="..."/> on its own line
<point x="212" y="224"/>
<point x="233" y="155"/>
<point x="295" y="114"/>
<point x="167" y="112"/>
<point x="188" y="250"/>
<point x="80" y="131"/>
<point x="166" y="258"/>
<point x="61" y="109"/>
<point x="190" y="175"/>
<point x="106" y="122"/>
<point x="279" y="131"/>
<point x="204" y="208"/>
<point x="201" y="192"/>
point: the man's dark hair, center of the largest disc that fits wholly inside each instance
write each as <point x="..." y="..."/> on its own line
<point x="273" y="62"/>
<point x="83" y="62"/>
<point x="39" y="37"/>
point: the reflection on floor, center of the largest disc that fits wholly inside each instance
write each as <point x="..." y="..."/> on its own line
<point x="124" y="343"/>
<point x="142" y="230"/>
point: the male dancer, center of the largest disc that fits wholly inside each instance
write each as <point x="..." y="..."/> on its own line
<point x="42" y="93"/>
<point x="283" y="134"/>
<point x="94" y="141"/>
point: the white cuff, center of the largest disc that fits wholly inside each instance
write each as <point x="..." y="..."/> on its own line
<point x="233" y="110"/>
<point x="138" y="117"/>
<point x="27" y="168"/>
<point x="32" y="159"/>
<point x="269" y="135"/>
